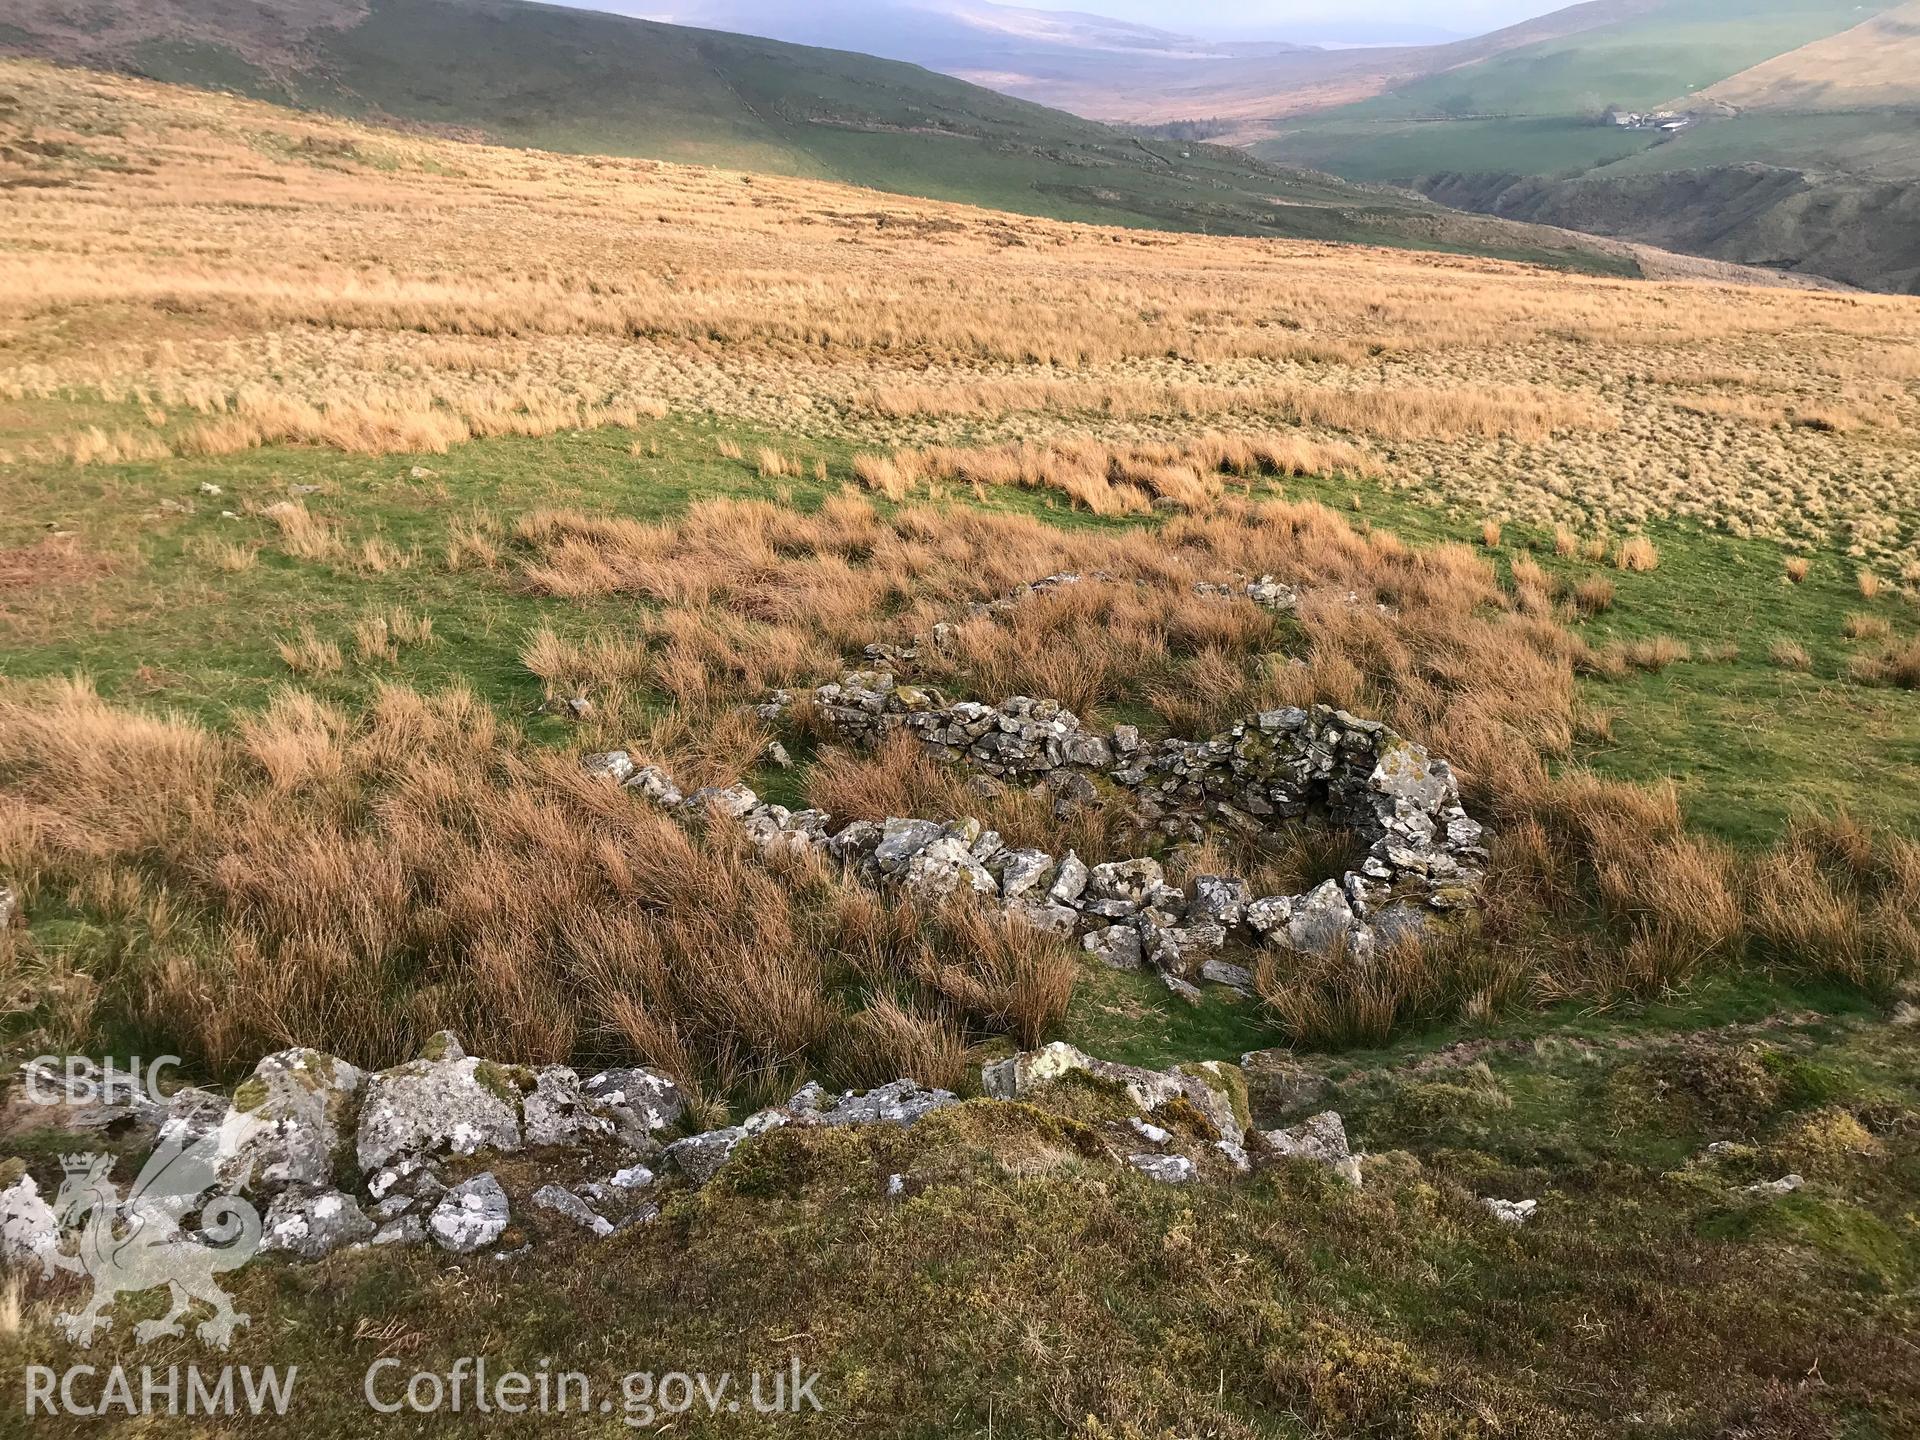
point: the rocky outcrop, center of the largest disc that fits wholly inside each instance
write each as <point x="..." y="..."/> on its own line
<point x="339" y="1159"/>
<point x="639" y="1102"/>
<point x="29" y="1230"/>
<point x="900" y="1103"/>
<point x="1424" y="855"/>
<point x="1510" y="1212"/>
<point x="563" y="1202"/>
<point x="1322" y="1139"/>
<point x="1167" y="1169"/>
<point x="446" y="1103"/>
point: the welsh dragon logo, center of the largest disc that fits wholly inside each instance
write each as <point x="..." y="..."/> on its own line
<point x="139" y="1244"/>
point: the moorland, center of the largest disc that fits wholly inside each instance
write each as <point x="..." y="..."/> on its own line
<point x="357" y="483"/>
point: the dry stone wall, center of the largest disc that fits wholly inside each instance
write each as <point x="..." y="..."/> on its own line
<point x="1425" y="856"/>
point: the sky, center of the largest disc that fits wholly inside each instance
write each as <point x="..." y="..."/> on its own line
<point x="1224" y="17"/>
<point x="1311" y="21"/>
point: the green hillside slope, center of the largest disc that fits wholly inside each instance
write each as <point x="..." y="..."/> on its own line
<point x="1636" y="63"/>
<point x="579" y="81"/>
<point x="1521" y="135"/>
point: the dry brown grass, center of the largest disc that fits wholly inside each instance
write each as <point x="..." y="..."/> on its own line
<point x="1867" y="627"/>
<point x="310" y="654"/>
<point x="304" y="535"/>
<point x="552" y="292"/>
<point x="1401" y="414"/>
<point x="1840" y="901"/>
<point x="770" y="464"/>
<point x="1870" y="584"/>
<point x="541" y="914"/>
<point x="1798" y="567"/>
<point x="357" y="881"/>
<point x="1191" y="475"/>
<point x="1656" y="653"/>
<point x="759" y="597"/>
<point x="228" y="557"/>
<point x="1898" y="665"/>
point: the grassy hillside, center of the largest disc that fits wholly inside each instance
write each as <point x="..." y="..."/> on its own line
<point x="1873" y="64"/>
<point x="589" y="83"/>
<point x="1519" y="135"/>
<point x="1636" y="63"/>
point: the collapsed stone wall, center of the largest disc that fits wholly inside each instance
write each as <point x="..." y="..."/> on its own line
<point x="1425" y="855"/>
<point x="329" y="1157"/>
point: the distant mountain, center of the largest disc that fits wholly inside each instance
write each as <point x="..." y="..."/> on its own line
<point x="1104" y="69"/>
<point x="575" y="80"/>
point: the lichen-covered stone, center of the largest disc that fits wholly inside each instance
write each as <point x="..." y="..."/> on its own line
<point x="471" y="1216"/>
<point x="1167" y="1169"/>
<point x="699" y="1157"/>
<point x="563" y="1202"/>
<point x="615" y="765"/>
<point x="639" y="1101"/>
<point x="287" y="1122"/>
<point x="1322" y="1139"/>
<point x="431" y="1107"/>
<point x="311" y="1225"/>
<point x="558" y="1111"/>
<point x="1115" y="946"/>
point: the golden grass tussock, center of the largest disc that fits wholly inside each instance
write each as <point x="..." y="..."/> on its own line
<point x="1789" y="654"/>
<point x="1898" y="665"/>
<point x="770" y="464"/>
<point x="1594" y="595"/>
<point x="303" y="534"/>
<point x="759" y="597"/>
<point x="227" y="556"/>
<point x="1191" y="475"/>
<point x="1637" y="554"/>
<point x="310" y="654"/>
<point x="1657" y="652"/>
<point x="1415" y="413"/>
<point x="1797" y="568"/>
